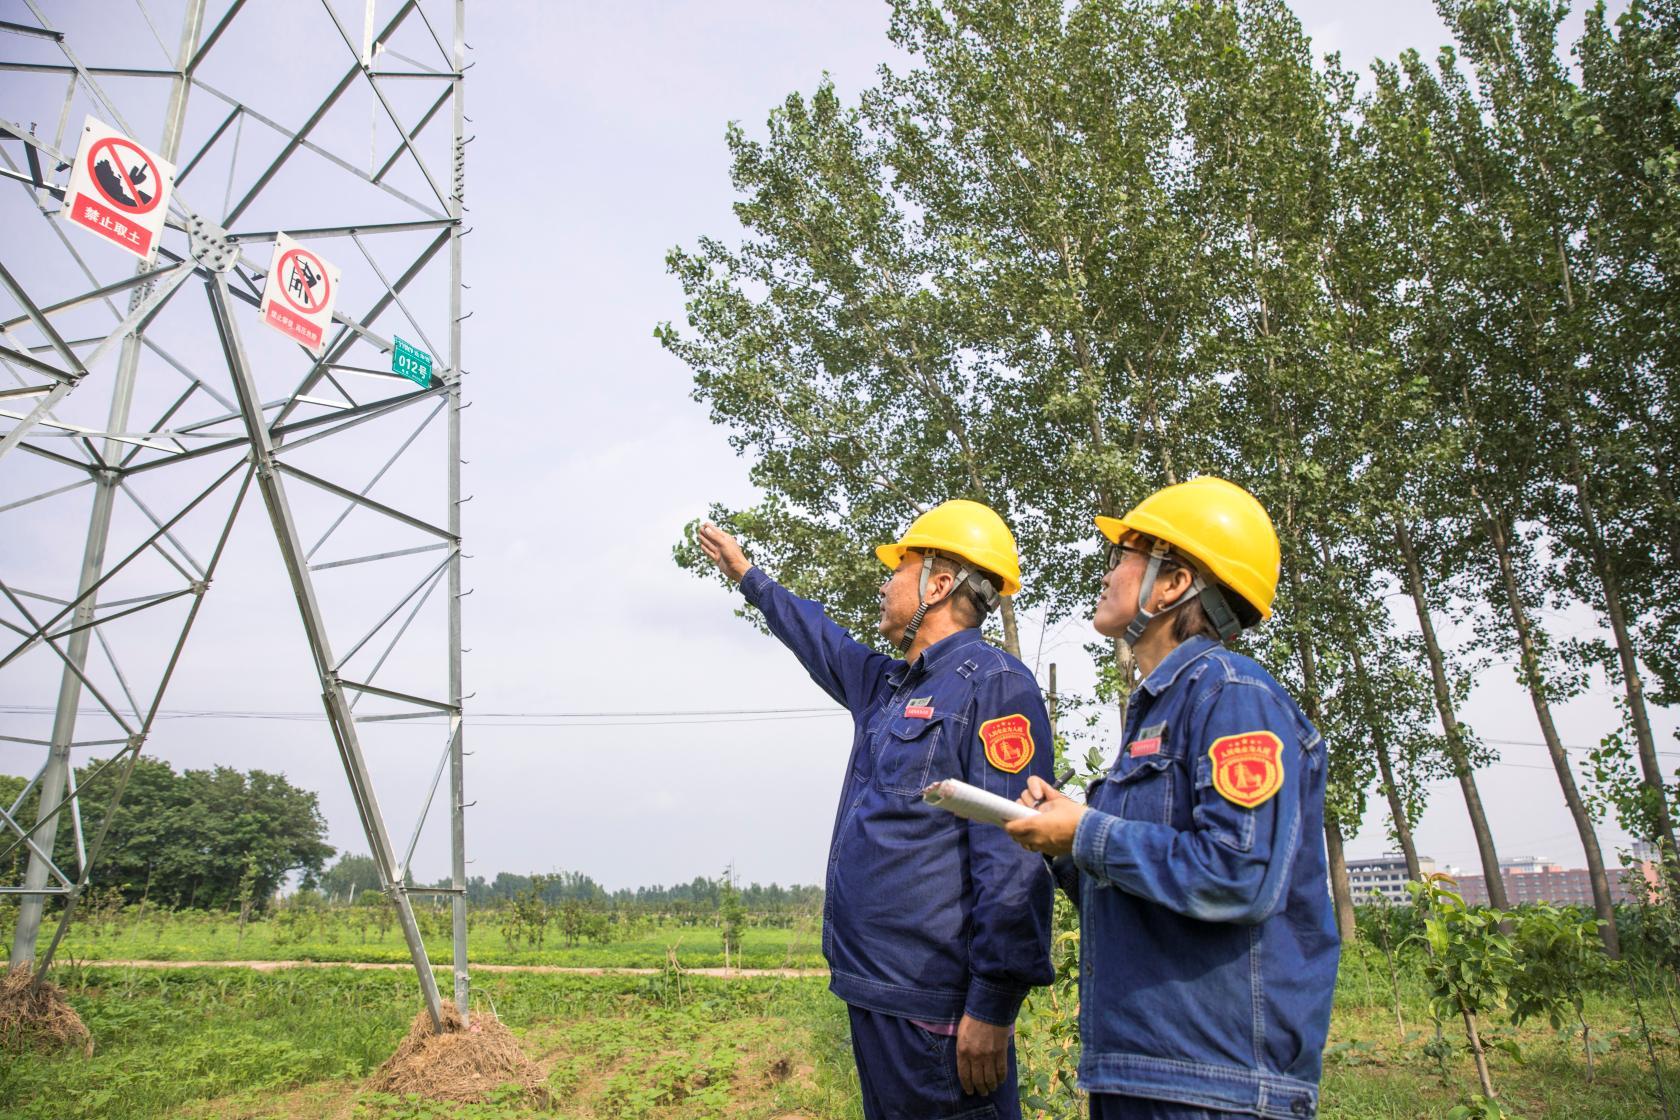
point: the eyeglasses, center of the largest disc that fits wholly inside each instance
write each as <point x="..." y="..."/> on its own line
<point x="1117" y="553"/>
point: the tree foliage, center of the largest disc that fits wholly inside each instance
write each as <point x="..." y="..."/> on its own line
<point x="1075" y="251"/>
<point x="190" y="838"/>
<point x="352" y="874"/>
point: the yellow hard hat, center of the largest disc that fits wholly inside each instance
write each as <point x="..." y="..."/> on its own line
<point x="963" y="529"/>
<point x="1219" y="525"/>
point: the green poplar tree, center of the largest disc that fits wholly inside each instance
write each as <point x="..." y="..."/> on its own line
<point x="826" y="343"/>
<point x="1551" y="351"/>
<point x="1038" y="139"/>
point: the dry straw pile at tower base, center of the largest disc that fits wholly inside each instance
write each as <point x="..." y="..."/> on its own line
<point x="463" y="1063"/>
<point x="38" y="1018"/>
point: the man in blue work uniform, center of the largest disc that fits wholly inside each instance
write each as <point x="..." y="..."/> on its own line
<point x="1207" y="943"/>
<point x="934" y="927"/>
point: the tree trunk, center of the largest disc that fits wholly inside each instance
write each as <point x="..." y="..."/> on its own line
<point x="1385" y="762"/>
<point x="1051" y="698"/>
<point x="1479" y="1053"/>
<point x="1385" y="766"/>
<point x="1394" y="987"/>
<point x="1531" y="671"/>
<point x="1341" y="892"/>
<point x="1011" y="635"/>
<point x="1650" y="1049"/>
<point x="1634" y="686"/>
<point x="1126" y="662"/>
<point x="1449" y="723"/>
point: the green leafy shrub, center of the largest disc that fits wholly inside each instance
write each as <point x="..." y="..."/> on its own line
<point x="1469" y="962"/>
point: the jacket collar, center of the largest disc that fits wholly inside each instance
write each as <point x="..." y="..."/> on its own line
<point x="1176" y="662"/>
<point x="934" y="656"/>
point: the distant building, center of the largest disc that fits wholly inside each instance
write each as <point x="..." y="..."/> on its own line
<point x="1384" y="875"/>
<point x="1538" y="879"/>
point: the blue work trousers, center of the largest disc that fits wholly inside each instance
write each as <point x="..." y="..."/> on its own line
<point x="1113" y="1106"/>
<point x="909" y="1073"/>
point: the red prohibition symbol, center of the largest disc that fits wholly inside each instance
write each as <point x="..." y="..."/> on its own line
<point x="302" y="272"/>
<point x="121" y="183"/>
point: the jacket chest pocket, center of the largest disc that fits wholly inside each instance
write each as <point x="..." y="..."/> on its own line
<point x="903" y="753"/>
<point x="1152" y="790"/>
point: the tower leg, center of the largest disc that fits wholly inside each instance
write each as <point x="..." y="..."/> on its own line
<point x="55" y="780"/>
<point x="273" y="490"/>
<point x="457" y="767"/>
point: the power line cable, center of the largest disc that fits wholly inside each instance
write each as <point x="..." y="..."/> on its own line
<point x="498" y="719"/>
<point x="622" y="718"/>
<point x="662" y="722"/>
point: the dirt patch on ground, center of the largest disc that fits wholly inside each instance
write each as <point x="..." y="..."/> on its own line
<point x="462" y="1063"/>
<point x="38" y="1018"/>
<point x="579" y="1086"/>
<point x="324" y="1100"/>
<point x="768" y="1074"/>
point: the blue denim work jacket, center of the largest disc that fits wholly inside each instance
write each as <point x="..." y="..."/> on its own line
<point x="1207" y="936"/>
<point x="927" y="916"/>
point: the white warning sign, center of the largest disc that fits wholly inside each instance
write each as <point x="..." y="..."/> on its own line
<point x="118" y="189"/>
<point x="298" y="298"/>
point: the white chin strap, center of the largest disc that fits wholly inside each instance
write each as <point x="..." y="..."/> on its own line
<point x="1212" y="600"/>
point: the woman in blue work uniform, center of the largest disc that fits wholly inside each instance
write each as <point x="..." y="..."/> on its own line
<point x="1197" y="862"/>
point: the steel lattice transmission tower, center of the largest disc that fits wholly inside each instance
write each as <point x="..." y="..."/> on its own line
<point x="142" y="409"/>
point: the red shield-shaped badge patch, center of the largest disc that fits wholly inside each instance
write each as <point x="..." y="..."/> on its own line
<point x="1008" y="742"/>
<point x="1247" y="768"/>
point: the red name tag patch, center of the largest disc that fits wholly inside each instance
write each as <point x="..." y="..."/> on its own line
<point x="1146" y="746"/>
<point x="918" y="712"/>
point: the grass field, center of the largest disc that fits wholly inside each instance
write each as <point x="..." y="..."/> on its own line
<point x="1380" y="1066"/>
<point x="217" y="1042"/>
<point x="221" y="1042"/>
<point x="1370" y="1073"/>
<point x="350" y="935"/>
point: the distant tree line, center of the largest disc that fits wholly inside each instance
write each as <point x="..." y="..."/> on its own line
<point x="198" y="838"/>
<point x="212" y="839"/>
<point x="355" y="876"/>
